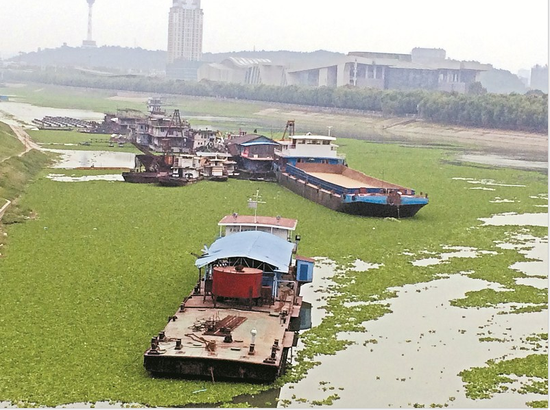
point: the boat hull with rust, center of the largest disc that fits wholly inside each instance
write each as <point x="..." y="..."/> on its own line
<point x="343" y="189"/>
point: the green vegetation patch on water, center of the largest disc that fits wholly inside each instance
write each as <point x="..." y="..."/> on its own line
<point x="75" y="140"/>
<point x="91" y="279"/>
<point x="484" y="382"/>
<point x="77" y="98"/>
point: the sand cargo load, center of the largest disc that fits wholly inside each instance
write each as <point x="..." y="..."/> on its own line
<point x="310" y="166"/>
<point x="347" y="190"/>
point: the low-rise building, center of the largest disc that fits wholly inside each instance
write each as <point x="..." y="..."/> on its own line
<point x="424" y="68"/>
<point x="244" y="71"/>
<point x="387" y="71"/>
<point x="253" y="153"/>
<point x="539" y="78"/>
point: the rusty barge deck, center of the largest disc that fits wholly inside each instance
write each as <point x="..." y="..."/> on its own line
<point x="214" y="340"/>
<point x="243" y="316"/>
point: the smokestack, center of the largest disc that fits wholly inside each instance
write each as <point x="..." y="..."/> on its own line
<point x="89" y="42"/>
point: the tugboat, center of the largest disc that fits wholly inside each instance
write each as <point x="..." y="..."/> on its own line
<point x="243" y="315"/>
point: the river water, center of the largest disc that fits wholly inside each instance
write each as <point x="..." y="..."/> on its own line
<point x="22" y="114"/>
<point x="70" y="159"/>
<point x="500" y="161"/>
<point x="420" y="347"/>
<point x="413" y="355"/>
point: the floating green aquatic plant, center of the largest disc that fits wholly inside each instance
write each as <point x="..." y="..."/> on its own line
<point x="88" y="281"/>
<point x="484" y="382"/>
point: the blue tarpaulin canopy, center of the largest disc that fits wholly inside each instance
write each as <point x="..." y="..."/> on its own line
<point x="257" y="245"/>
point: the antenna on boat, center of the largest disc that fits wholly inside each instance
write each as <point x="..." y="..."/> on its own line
<point x="253" y="203"/>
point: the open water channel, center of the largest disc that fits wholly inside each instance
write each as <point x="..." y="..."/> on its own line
<point x="412" y="356"/>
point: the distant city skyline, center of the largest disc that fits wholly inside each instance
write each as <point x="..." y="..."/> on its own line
<point x="510" y="35"/>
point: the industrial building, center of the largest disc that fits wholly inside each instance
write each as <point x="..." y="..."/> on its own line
<point x="244" y="71"/>
<point x="422" y="69"/>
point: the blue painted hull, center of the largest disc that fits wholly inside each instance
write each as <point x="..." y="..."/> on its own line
<point x="380" y="210"/>
<point x="380" y="199"/>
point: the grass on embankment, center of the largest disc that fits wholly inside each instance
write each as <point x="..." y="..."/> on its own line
<point x="58" y="97"/>
<point x="109" y="101"/>
<point x="16" y="172"/>
<point x="9" y="144"/>
<point x="88" y="282"/>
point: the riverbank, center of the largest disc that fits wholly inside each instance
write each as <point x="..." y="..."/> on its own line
<point x="270" y="119"/>
<point x="16" y="172"/>
<point x="411" y="131"/>
<point x="371" y="126"/>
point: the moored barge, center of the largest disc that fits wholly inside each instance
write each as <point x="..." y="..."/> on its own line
<point x="243" y="316"/>
<point x="310" y="166"/>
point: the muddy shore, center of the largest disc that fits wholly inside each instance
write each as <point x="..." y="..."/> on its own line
<point x="412" y="131"/>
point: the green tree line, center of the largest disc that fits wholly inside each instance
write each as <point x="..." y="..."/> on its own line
<point x="480" y="109"/>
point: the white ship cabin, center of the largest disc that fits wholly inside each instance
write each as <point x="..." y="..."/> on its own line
<point x="281" y="227"/>
<point x="216" y="164"/>
<point x="308" y="145"/>
<point x="186" y="166"/>
<point x="214" y="157"/>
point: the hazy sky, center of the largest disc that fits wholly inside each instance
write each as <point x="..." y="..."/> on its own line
<point x="510" y="34"/>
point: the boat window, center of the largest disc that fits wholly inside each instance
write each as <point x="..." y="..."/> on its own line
<point x="300" y="141"/>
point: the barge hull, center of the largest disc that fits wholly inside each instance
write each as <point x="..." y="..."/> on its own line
<point x="378" y="210"/>
<point x="141" y="177"/>
<point x="329" y="196"/>
<point x="214" y="369"/>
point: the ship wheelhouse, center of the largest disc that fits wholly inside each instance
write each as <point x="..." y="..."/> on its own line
<point x="308" y="148"/>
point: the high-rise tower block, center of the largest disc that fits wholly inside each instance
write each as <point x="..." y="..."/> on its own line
<point x="185" y="26"/>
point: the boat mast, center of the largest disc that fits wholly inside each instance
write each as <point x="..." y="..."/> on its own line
<point x="253" y="203"/>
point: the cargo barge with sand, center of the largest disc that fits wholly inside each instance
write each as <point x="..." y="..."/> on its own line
<point x="310" y="166"/>
<point x="243" y="316"/>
